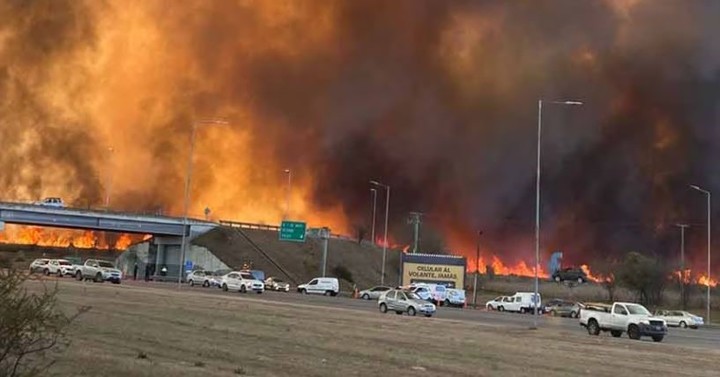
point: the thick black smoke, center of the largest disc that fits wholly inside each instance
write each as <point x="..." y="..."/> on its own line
<point x="436" y="99"/>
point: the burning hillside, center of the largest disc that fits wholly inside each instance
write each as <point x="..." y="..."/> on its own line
<point x="435" y="99"/>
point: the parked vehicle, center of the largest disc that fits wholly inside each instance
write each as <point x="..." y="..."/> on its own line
<point x="99" y="271"/>
<point x="495" y="303"/>
<point x="455" y="297"/>
<point x="622" y="317"/>
<point x="373" y="293"/>
<point x="323" y="286"/>
<point x="216" y="278"/>
<point x="59" y="267"/>
<point x="38" y="265"/>
<point x="401" y="301"/>
<point x="562" y="308"/>
<point x="257" y="274"/>
<point x="241" y="281"/>
<point x="276" y="284"/>
<point x="570" y="274"/>
<point x="422" y="291"/>
<point x="680" y="318"/>
<point x="51" y="202"/>
<point x="200" y="277"/>
<point x="437" y="292"/>
<point x="522" y="302"/>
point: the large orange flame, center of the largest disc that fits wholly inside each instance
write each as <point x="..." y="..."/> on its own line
<point x="81" y="239"/>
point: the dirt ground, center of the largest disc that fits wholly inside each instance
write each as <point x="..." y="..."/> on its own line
<point x="138" y="331"/>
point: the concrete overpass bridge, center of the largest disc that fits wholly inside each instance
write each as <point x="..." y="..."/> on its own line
<point x="122" y="222"/>
<point x="166" y="231"/>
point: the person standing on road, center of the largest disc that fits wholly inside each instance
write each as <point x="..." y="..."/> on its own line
<point x="135" y="271"/>
<point x="147" y="272"/>
<point x="163" y="270"/>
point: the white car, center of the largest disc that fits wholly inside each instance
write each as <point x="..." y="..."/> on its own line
<point x="680" y="318"/>
<point x="51" y="202"/>
<point x="400" y="301"/>
<point x="241" y="281"/>
<point x="276" y="284"/>
<point x="38" y="265"/>
<point x="98" y="271"/>
<point x="495" y="303"/>
<point x="373" y="293"/>
<point x="322" y="286"/>
<point x="422" y="291"/>
<point x="455" y="297"/>
<point x="200" y="277"/>
<point x="59" y="267"/>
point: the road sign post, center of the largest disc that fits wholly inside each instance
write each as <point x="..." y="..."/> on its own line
<point x="293" y="231"/>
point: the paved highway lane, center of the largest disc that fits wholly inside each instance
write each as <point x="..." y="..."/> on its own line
<point x="704" y="337"/>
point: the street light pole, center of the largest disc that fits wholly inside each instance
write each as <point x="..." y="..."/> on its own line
<point x="186" y="203"/>
<point x="109" y="177"/>
<point x="537" y="204"/>
<point x="709" y="232"/>
<point x="477" y="270"/>
<point x="385" y="242"/>
<point x="372" y="232"/>
<point x="682" y="262"/>
<point x="289" y="188"/>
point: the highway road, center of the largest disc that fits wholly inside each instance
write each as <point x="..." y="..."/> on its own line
<point x="704" y="337"/>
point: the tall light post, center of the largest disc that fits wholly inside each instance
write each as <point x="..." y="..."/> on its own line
<point x="682" y="262"/>
<point x="537" y="202"/>
<point x="477" y="270"/>
<point x="385" y="242"/>
<point x="709" y="240"/>
<point x="374" y="206"/>
<point x="288" y="172"/>
<point x="109" y="176"/>
<point x="188" y="178"/>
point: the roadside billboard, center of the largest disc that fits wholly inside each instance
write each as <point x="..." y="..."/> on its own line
<point x="447" y="270"/>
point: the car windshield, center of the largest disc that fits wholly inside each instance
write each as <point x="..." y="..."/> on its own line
<point x="106" y="264"/>
<point x="637" y="309"/>
<point x="65" y="263"/>
<point x="247" y="276"/>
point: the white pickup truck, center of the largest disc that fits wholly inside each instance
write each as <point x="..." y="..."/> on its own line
<point x="99" y="271"/>
<point x="622" y="317"/>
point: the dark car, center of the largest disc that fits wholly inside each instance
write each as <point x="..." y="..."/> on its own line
<point x="570" y="274"/>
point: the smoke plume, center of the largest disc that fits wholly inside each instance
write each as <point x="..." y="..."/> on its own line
<point x="436" y="99"/>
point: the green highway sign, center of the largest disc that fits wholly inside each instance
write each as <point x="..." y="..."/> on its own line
<point x="292" y="231"/>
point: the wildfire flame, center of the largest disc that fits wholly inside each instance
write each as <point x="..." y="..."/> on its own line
<point x="593" y="277"/>
<point x="707" y="281"/>
<point x="700" y="279"/>
<point x="81" y="239"/>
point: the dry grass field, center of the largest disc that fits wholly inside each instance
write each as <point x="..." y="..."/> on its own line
<point x="142" y="331"/>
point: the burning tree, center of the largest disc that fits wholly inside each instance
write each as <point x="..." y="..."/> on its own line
<point x="32" y="327"/>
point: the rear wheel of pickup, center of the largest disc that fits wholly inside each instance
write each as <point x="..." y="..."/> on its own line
<point x="616" y="333"/>
<point x="658" y="338"/>
<point x="634" y="332"/>
<point x="593" y="327"/>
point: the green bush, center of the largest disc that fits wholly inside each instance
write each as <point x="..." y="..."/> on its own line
<point x="32" y="326"/>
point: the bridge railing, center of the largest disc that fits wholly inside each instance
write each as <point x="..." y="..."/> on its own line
<point x="244" y="225"/>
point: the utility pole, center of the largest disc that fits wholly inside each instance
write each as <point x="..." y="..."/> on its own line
<point x="325" y="235"/>
<point x="682" y="262"/>
<point x="374" y="206"/>
<point x="477" y="270"/>
<point x="415" y="221"/>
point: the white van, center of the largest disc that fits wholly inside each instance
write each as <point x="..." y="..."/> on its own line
<point x="437" y="292"/>
<point x="522" y="302"/>
<point x="321" y="286"/>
